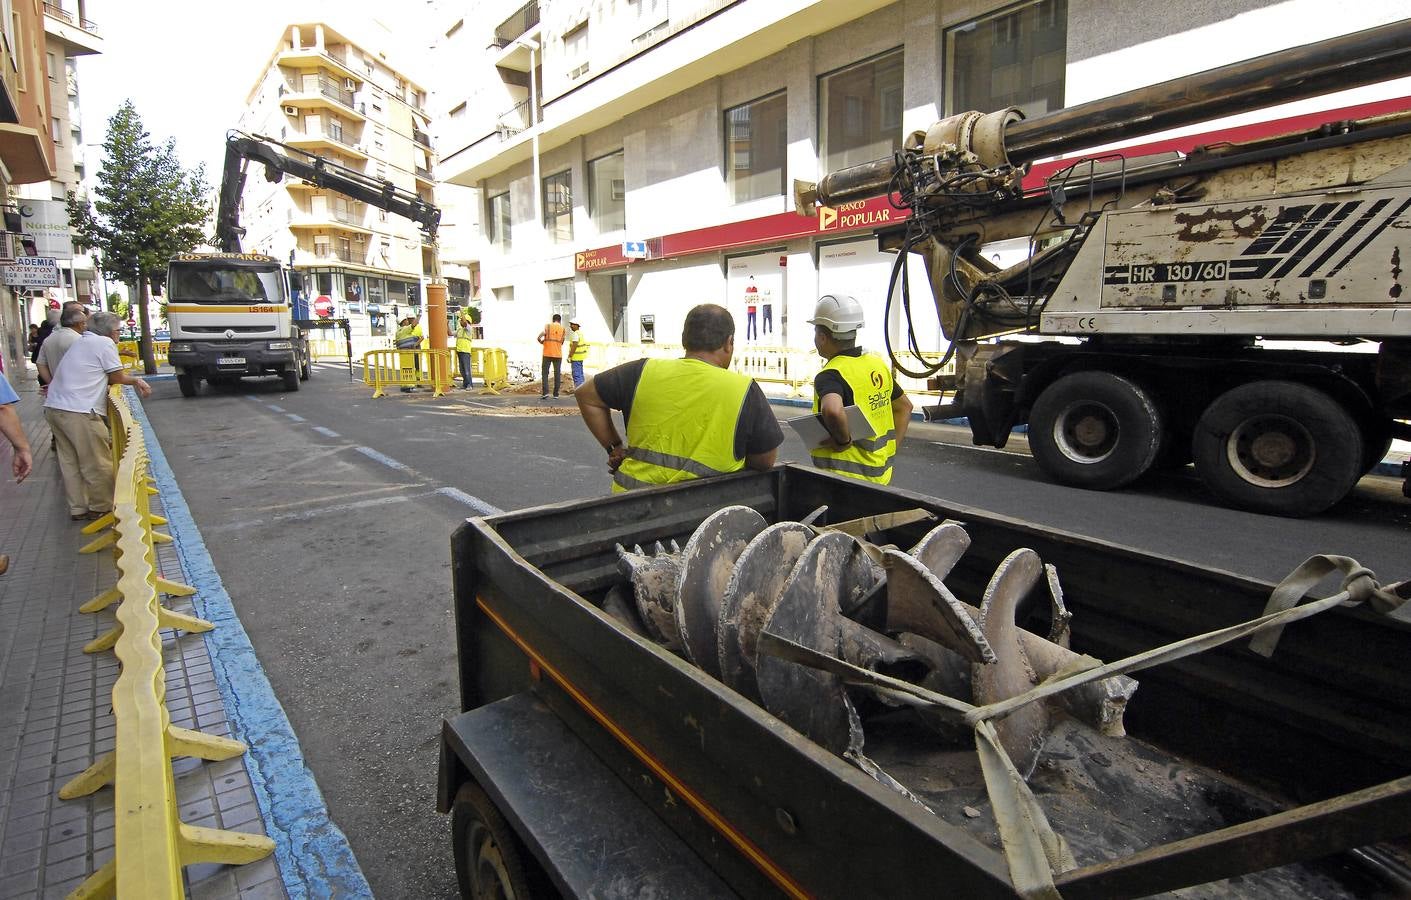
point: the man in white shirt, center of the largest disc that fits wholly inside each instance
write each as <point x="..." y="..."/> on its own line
<point x="76" y="405"/>
<point x="72" y="322"/>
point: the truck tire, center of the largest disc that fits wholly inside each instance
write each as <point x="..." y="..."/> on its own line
<point x="290" y="377"/>
<point x="490" y="860"/>
<point x="190" y="384"/>
<point x="1376" y="443"/>
<point x="1095" y="430"/>
<point x="1278" y="447"/>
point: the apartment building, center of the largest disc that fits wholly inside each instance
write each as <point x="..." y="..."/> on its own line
<point x="27" y="149"/>
<point x="636" y="157"/>
<point x="325" y="93"/>
<point x="68" y="35"/>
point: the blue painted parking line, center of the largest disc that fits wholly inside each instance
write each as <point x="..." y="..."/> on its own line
<point x="312" y="852"/>
<point x="326" y="432"/>
<point x="276" y="407"/>
<point x="295" y="418"/>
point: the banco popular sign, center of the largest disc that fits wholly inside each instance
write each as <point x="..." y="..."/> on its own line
<point x="31" y="272"/>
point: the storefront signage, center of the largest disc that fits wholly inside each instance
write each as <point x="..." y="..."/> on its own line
<point x="864" y="214"/>
<point x="31" y="272"/>
<point x="634" y="249"/>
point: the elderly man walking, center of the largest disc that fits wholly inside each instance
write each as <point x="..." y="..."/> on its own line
<point x="75" y="409"/>
<point x="72" y="322"/>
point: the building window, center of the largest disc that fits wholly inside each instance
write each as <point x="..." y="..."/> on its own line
<point x="860" y="112"/>
<point x="458" y="111"/>
<point x="561" y="299"/>
<point x="1012" y="58"/>
<point x="575" y="50"/>
<point x="56" y="130"/>
<point x="558" y="207"/>
<point x="498" y="221"/>
<point x="53" y="64"/>
<point x="607" y="193"/>
<point x="754" y="148"/>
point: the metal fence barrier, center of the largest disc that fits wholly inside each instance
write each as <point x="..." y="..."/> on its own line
<point x="407" y="369"/>
<point x="151" y="843"/>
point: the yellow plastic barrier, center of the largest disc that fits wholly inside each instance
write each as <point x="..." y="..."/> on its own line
<point x="327" y="348"/>
<point x="131" y="356"/>
<point x="777" y="365"/>
<point x="407" y="368"/>
<point x="491" y="366"/>
<point x="151" y="843"/>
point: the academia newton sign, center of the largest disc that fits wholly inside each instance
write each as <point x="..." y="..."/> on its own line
<point x="31" y="272"/>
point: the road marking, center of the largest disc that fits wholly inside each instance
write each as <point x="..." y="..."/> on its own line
<point x="294" y="418"/>
<point x="276" y="407"/>
<point x="475" y="503"/>
<point x="383" y="458"/>
<point x="253" y="397"/>
<point x="307" y="514"/>
<point x="326" y="432"/>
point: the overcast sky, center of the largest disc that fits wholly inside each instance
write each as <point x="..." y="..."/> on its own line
<point x="188" y="69"/>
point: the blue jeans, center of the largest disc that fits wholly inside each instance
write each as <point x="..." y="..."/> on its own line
<point x="577" y="372"/>
<point x="464" y="359"/>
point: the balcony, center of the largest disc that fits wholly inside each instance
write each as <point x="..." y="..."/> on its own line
<point x="334" y="58"/>
<point x="79" y="34"/>
<point x="327" y="93"/>
<point x="421" y="138"/>
<point x="326" y="252"/>
<point x="325" y="140"/>
<point x="424" y="174"/>
<point x="525" y="18"/>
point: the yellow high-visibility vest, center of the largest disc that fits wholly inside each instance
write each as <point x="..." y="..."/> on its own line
<point x="580" y="353"/>
<point x="683" y="422"/>
<point x="869" y="459"/>
<point x="465" y="339"/>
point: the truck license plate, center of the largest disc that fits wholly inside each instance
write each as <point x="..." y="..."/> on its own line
<point x="231" y="361"/>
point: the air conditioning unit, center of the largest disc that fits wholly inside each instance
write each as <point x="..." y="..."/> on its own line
<point x="350" y="84"/>
<point x="291" y="110"/>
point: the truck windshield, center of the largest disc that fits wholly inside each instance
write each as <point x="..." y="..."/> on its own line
<point x="226" y="284"/>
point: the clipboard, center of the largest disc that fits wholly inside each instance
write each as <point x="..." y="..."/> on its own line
<point x="810" y="427"/>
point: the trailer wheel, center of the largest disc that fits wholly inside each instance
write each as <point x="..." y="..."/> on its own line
<point x="1278" y="447"/>
<point x="290" y="377"/>
<point x="489" y="857"/>
<point x="1095" y="430"/>
<point x="190" y="385"/>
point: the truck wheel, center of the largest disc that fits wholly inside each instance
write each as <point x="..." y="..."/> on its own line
<point x="190" y="384"/>
<point x="1376" y="443"/>
<point x="290" y="377"/>
<point x="1095" y="430"/>
<point x="489" y="856"/>
<point x="1278" y="447"/>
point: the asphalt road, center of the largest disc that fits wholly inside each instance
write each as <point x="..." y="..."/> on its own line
<point x="329" y="514"/>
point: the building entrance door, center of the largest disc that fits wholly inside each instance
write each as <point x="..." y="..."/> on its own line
<point x="619" y="307"/>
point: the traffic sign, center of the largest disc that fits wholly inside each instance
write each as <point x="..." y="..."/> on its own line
<point x="634" y="249"/>
<point x="323" y="306"/>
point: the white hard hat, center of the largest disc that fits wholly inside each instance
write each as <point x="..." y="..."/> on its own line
<point x="839" y="313"/>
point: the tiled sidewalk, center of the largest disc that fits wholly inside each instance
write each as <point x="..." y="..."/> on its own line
<point x="55" y="707"/>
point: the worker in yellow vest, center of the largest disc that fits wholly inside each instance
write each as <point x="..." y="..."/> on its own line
<point x="851" y="377"/>
<point x="552" y="340"/>
<point x="685" y="418"/>
<point x="465" y="343"/>
<point x="408" y="337"/>
<point x="577" y="352"/>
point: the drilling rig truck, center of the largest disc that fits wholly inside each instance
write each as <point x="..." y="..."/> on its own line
<point x="1181" y="275"/>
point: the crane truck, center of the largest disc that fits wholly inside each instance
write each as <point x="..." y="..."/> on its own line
<point x="1165" y="282"/>
<point x="230" y="311"/>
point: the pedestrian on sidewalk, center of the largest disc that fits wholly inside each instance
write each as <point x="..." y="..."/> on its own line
<point x="465" y="345"/>
<point x="13" y="430"/>
<point x="75" y="410"/>
<point x="552" y="339"/>
<point x="72" y="322"/>
<point x="851" y="377"/>
<point x="577" y="353"/>
<point x="45" y="329"/>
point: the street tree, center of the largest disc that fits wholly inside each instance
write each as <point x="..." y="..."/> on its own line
<point x="149" y="208"/>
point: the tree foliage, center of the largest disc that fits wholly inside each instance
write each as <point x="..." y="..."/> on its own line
<point x="148" y="209"/>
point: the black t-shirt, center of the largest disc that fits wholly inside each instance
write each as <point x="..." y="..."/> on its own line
<point x="756" y="431"/>
<point x="831" y="381"/>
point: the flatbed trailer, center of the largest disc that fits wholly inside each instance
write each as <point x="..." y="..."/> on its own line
<point x="590" y="761"/>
